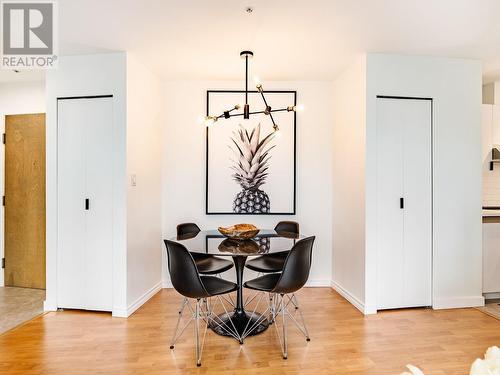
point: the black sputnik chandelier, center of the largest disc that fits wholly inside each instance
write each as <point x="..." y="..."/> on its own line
<point x="210" y="120"/>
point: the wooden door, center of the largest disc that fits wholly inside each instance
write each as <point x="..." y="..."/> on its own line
<point x="25" y="201"/>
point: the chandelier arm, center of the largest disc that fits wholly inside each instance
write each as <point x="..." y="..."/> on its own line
<point x="272" y="119"/>
<point x="268" y="108"/>
<point x="258" y="112"/>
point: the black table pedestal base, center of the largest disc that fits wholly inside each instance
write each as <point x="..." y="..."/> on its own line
<point x="245" y="323"/>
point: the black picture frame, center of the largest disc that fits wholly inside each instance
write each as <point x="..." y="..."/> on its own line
<point x="294" y="199"/>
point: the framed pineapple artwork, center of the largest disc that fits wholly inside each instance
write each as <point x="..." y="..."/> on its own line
<point x="250" y="169"/>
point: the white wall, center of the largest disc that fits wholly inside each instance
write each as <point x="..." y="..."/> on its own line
<point x="89" y="75"/>
<point x="16" y="98"/>
<point x="455" y="86"/>
<point x="144" y="240"/>
<point x="22" y="97"/>
<point x="348" y="151"/>
<point x="183" y="162"/>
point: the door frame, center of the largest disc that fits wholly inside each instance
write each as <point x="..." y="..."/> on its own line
<point x="431" y="186"/>
<point x="2" y="193"/>
<point x="113" y="245"/>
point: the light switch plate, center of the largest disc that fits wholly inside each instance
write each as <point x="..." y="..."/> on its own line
<point x="133" y="180"/>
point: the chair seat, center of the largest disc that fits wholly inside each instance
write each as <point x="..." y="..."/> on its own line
<point x="211" y="265"/>
<point x="264" y="283"/>
<point x="215" y="285"/>
<point x="268" y="263"/>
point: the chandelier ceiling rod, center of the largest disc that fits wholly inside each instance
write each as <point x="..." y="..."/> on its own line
<point x="246" y="107"/>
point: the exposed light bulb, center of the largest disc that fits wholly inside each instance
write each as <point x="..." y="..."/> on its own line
<point x="210" y="120"/>
<point x="237" y="106"/>
<point x="259" y="87"/>
<point x="276" y="128"/>
<point x="295" y="108"/>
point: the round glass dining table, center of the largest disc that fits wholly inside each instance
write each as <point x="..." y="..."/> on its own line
<point x="266" y="242"/>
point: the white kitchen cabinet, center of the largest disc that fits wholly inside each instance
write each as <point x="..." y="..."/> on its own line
<point x="491" y="257"/>
<point x="404" y="202"/>
<point x="85" y="203"/>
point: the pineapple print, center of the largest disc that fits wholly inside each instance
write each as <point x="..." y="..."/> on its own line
<point x="250" y="167"/>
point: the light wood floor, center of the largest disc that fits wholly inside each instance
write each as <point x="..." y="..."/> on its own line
<point x="343" y="342"/>
<point x="18" y="305"/>
<point x="492" y="307"/>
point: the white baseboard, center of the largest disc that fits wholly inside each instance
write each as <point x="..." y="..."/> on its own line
<point x="457" y="302"/>
<point x="119" y="312"/>
<point x="370" y="310"/>
<point x="310" y="284"/>
<point x="319" y="283"/>
<point x="47" y="306"/>
<point x="125" y="313"/>
<point x="166" y="284"/>
<point x="352" y="299"/>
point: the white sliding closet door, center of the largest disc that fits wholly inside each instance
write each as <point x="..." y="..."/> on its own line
<point x="85" y="203"/>
<point x="71" y="166"/>
<point x="404" y="202"/>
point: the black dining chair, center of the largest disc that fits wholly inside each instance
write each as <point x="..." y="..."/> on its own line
<point x="188" y="282"/>
<point x="288" y="227"/>
<point x="274" y="262"/>
<point x="187" y="228"/>
<point x="293" y="277"/>
<point x="207" y="264"/>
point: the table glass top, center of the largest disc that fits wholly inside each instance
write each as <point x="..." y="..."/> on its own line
<point x="212" y="242"/>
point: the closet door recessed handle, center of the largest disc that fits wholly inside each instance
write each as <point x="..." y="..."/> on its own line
<point x="87" y="204"/>
<point x="401" y="203"/>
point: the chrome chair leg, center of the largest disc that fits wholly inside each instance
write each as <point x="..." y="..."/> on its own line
<point x="303" y="322"/>
<point x="272" y="309"/>
<point x="197" y="332"/>
<point x="283" y="315"/>
<point x="183" y="304"/>
<point x="181" y="309"/>
<point x="215" y="320"/>
<point x="282" y="304"/>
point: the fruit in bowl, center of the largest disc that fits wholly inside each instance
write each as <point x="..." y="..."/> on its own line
<point x="239" y="231"/>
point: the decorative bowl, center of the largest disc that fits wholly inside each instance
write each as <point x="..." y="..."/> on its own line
<point x="240" y="231"/>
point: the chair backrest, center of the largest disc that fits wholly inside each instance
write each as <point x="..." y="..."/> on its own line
<point x="287" y="226"/>
<point x="187" y="228"/>
<point x="296" y="268"/>
<point x="183" y="272"/>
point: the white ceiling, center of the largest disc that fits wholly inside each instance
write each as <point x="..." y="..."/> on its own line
<point x="291" y="39"/>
